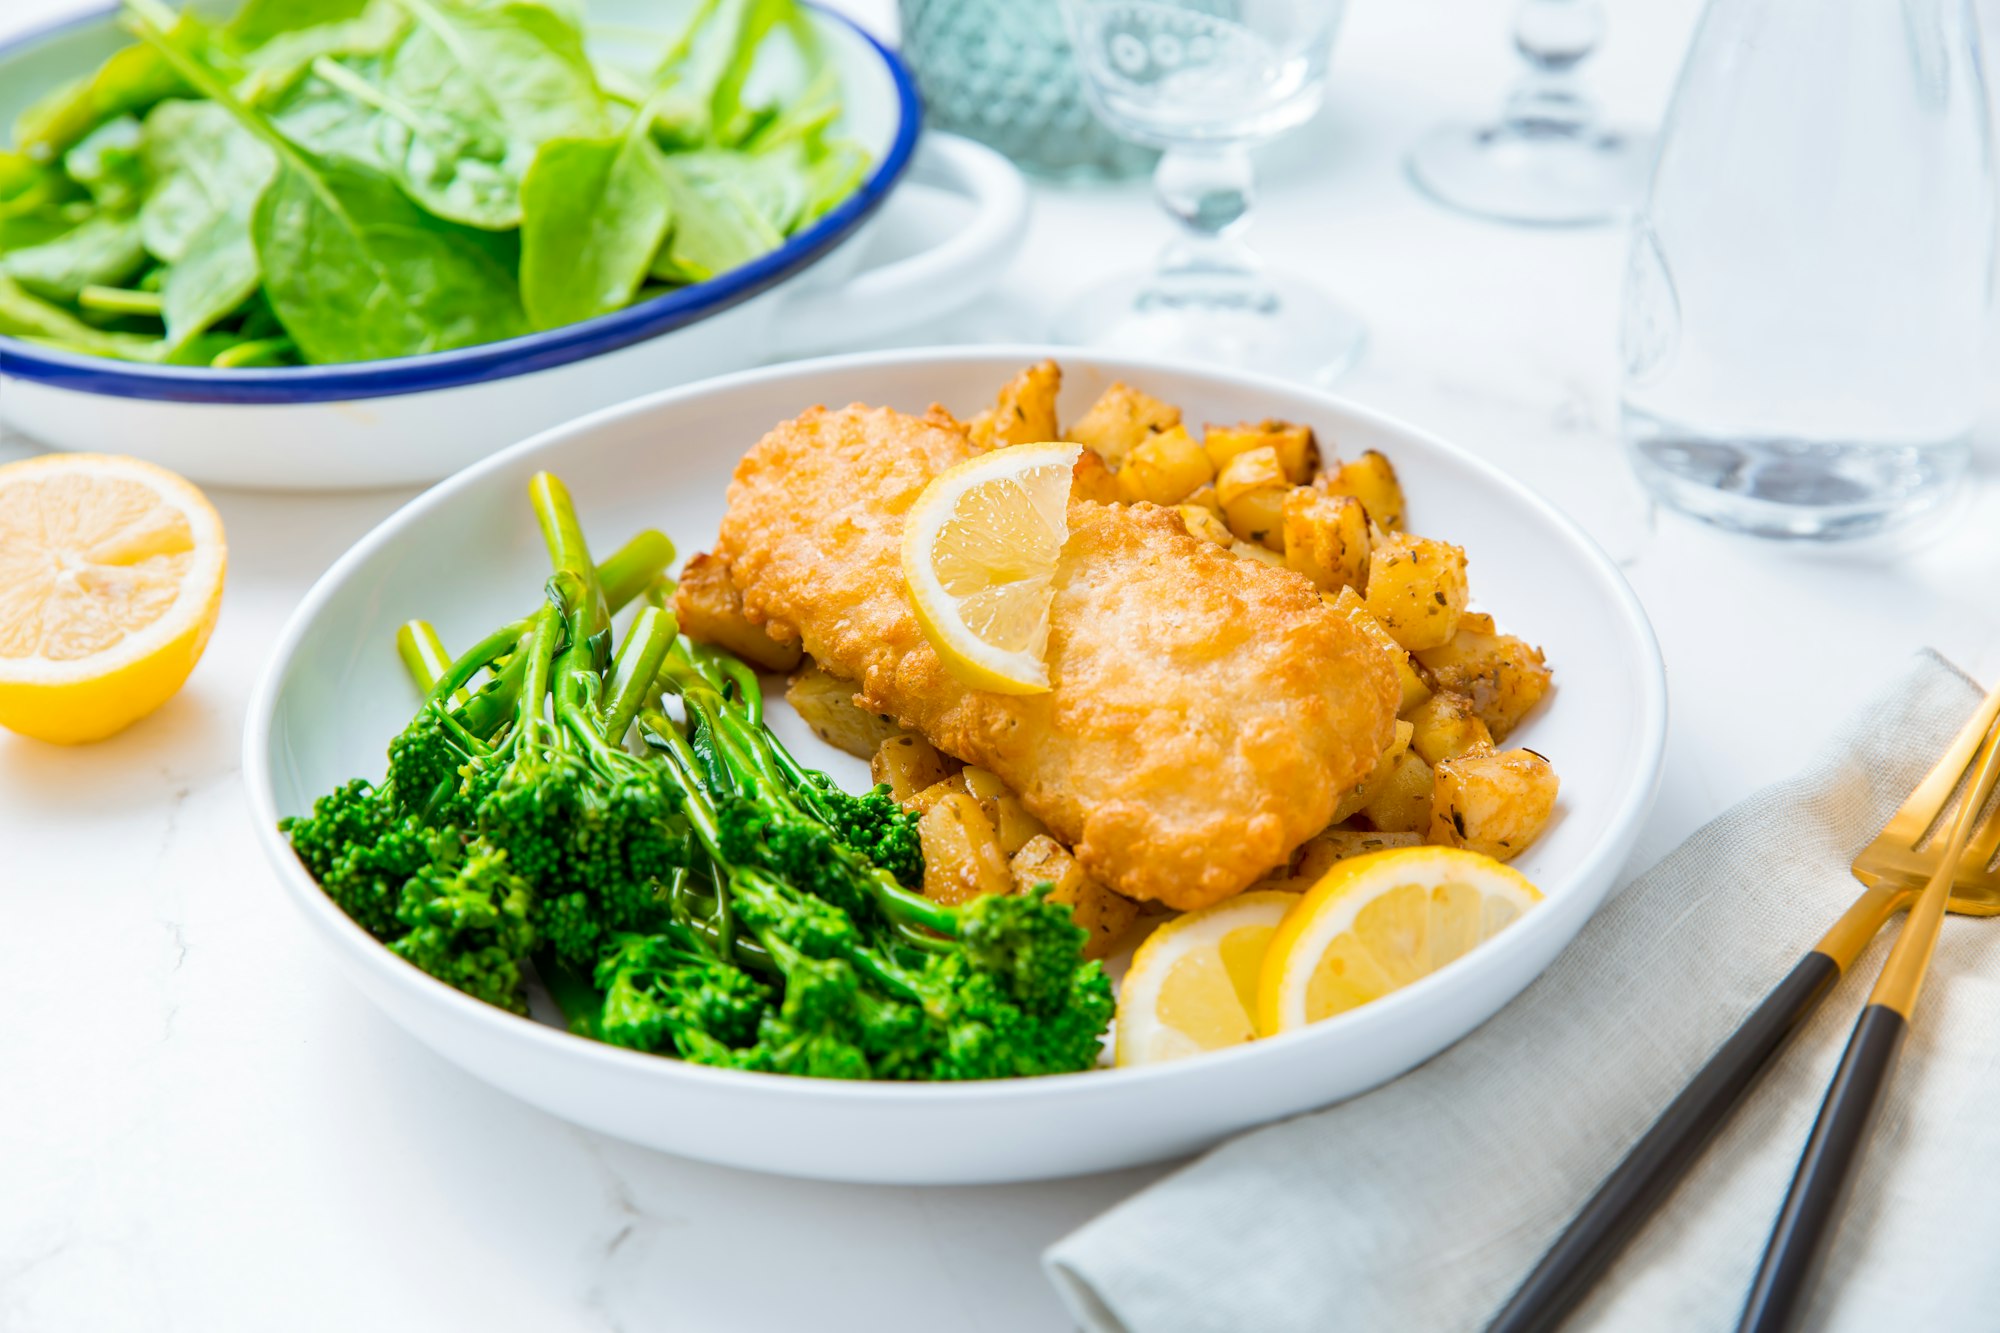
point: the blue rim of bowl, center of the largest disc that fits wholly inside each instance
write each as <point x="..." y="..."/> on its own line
<point x="486" y="361"/>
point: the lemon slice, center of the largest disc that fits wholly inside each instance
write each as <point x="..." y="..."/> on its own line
<point x="1192" y="986"/>
<point x="110" y="580"/>
<point x="979" y="555"/>
<point x="1376" y="923"/>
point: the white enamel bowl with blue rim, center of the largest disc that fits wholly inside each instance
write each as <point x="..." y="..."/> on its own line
<point x="388" y="423"/>
<point x="467" y="552"/>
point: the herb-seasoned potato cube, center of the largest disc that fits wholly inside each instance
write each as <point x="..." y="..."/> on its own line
<point x="1491" y="802"/>
<point x="825" y="703"/>
<point x="1026" y="411"/>
<point x="1252" y="488"/>
<point x="1254" y="551"/>
<point x="1297" y="453"/>
<point x="1370" y="479"/>
<point x="1203" y="522"/>
<point x="1205" y="497"/>
<point x="1103" y="914"/>
<point x="1121" y="418"/>
<point x="1503" y="676"/>
<point x="1093" y="479"/>
<point x="710" y="610"/>
<point x="1417" y="589"/>
<point x="1447" y="726"/>
<point x="1165" y="468"/>
<point x="962" y="856"/>
<point x="1010" y="819"/>
<point x="954" y="785"/>
<point x="1349" y="603"/>
<point x="1322" y="850"/>
<point x="1326" y="538"/>
<point x="1378" y="779"/>
<point x="908" y="763"/>
<point x="1404" y="804"/>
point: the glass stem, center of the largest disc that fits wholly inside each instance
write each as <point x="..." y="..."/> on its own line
<point x="1209" y="191"/>
<point x="1554" y="37"/>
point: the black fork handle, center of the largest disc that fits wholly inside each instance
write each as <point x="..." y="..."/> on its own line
<point x="1658" y="1160"/>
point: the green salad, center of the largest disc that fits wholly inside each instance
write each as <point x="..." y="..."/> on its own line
<point x="324" y="181"/>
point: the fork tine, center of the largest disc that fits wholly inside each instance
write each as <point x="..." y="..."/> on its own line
<point x="1918" y="814"/>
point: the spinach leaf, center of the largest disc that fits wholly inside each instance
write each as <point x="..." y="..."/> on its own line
<point x="355" y="272"/>
<point x="276" y="64"/>
<point x="461" y="170"/>
<point x="593" y="213"/>
<point x="217" y="273"/>
<point x="261" y="21"/>
<point x="103" y="252"/>
<point x="512" y="64"/>
<point x="204" y="166"/>
<point x="107" y="163"/>
<point x="716" y="228"/>
<point x="129" y="82"/>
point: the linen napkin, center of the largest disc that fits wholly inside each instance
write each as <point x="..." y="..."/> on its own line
<point x="1421" y="1205"/>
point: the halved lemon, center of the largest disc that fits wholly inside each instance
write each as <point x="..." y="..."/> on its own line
<point x="979" y="558"/>
<point x="1376" y="923"/>
<point x="1192" y="986"/>
<point x="110" y="580"/>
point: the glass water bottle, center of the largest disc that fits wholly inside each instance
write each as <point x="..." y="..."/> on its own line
<point x="1810" y="276"/>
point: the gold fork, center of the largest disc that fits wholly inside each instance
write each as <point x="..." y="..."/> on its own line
<point x="1894" y="868"/>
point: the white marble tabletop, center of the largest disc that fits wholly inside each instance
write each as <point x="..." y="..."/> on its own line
<point x="203" y="1128"/>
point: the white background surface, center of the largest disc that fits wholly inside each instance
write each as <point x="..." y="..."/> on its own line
<point x="202" y="1128"/>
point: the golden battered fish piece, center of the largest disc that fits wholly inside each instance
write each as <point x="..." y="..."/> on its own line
<point x="1205" y="711"/>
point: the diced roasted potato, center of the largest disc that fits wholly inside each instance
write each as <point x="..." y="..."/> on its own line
<point x="1370" y="479"/>
<point x="954" y="785"/>
<point x="1121" y="418"/>
<point x="1252" y="489"/>
<point x="1416" y="588"/>
<point x="711" y="611"/>
<point x="1297" y="453"/>
<point x="1447" y="726"/>
<point x="826" y="703"/>
<point x="1106" y="916"/>
<point x="1255" y="551"/>
<point x="908" y="763"/>
<point x="1165" y="468"/>
<point x="1093" y="479"/>
<point x="1026" y="411"/>
<point x="1326" y="538"/>
<point x="1503" y="676"/>
<point x="1322" y="850"/>
<point x="1378" y="778"/>
<point x="1204" y="496"/>
<point x="1493" y="802"/>
<point x="1404" y="804"/>
<point x="1203" y="522"/>
<point x="962" y="856"/>
<point x="1349" y="603"/>
<point x="1010" y="819"/>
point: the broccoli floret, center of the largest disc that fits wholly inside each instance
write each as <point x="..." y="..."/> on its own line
<point x="880" y="830"/>
<point x="660" y="993"/>
<point x="467" y="915"/>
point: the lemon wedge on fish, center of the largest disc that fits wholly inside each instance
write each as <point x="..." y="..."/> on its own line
<point x="979" y="559"/>
<point x="1374" y="924"/>
<point x="110" y="580"/>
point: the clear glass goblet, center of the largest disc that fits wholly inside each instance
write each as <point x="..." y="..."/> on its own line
<point x="1549" y="158"/>
<point x="1203" y="80"/>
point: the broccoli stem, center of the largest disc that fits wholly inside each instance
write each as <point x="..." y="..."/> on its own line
<point x="562" y="531"/>
<point x="424" y="656"/>
<point x="582" y="1004"/>
<point x="632" y="570"/>
<point x="632" y="671"/>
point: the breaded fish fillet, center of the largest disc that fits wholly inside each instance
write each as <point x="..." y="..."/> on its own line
<point x="1205" y="712"/>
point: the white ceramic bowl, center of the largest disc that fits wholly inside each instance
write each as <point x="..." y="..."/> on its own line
<point x="394" y="423"/>
<point x="467" y="553"/>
